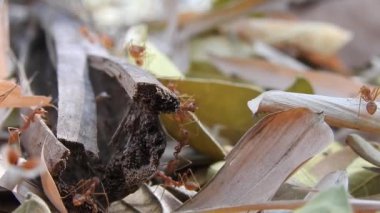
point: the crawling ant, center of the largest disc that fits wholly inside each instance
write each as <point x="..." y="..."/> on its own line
<point x="370" y="97"/>
<point x="84" y="191"/>
<point x="105" y="40"/>
<point x="184" y="181"/>
<point x="137" y="52"/>
<point x="30" y="118"/>
<point x="187" y="105"/>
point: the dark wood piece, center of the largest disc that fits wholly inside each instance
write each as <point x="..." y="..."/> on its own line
<point x="129" y="140"/>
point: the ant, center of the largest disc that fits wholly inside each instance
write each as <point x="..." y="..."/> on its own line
<point x="105" y="40"/>
<point x="369" y="96"/>
<point x="30" y="118"/>
<point x="137" y="52"/>
<point x="184" y="181"/>
<point x="187" y="104"/>
<point x="86" y="190"/>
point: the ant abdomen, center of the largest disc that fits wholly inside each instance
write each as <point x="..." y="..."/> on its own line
<point x="371" y="107"/>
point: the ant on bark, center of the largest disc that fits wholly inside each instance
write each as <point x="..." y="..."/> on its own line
<point x="30" y="118"/>
<point x="182" y="115"/>
<point x="370" y="97"/>
<point x="84" y="192"/>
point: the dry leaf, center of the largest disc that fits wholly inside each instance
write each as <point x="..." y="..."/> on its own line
<point x="332" y="179"/>
<point x="340" y="112"/>
<point x="266" y="155"/>
<point x="341" y="159"/>
<point x="206" y="21"/>
<point x="357" y="204"/>
<point x="10" y="96"/>
<point x="168" y="201"/>
<point x="265" y="74"/>
<point x="323" y="38"/>
<point x="49" y="187"/>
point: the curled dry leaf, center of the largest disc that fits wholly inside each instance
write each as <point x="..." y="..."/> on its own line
<point x="340" y="112"/>
<point x="364" y="149"/>
<point x="323" y="38"/>
<point x="268" y="75"/>
<point x="49" y="187"/>
<point x="10" y="96"/>
<point x="262" y="160"/>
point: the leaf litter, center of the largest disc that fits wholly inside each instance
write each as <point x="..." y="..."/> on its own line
<point x="284" y="151"/>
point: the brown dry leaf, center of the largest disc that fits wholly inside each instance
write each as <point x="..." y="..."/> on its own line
<point x="49" y="187"/>
<point x="269" y="75"/>
<point x="360" y="17"/>
<point x="10" y="96"/>
<point x="200" y="23"/>
<point x="262" y="160"/>
<point x="342" y="159"/>
<point x="340" y="112"/>
<point x="319" y="37"/>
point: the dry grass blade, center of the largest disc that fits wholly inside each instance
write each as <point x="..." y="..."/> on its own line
<point x="208" y="20"/>
<point x="49" y="187"/>
<point x="266" y="74"/>
<point x="10" y="96"/>
<point x="262" y="160"/>
<point x="340" y="112"/>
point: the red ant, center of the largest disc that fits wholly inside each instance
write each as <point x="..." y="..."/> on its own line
<point x="86" y="190"/>
<point x="187" y="104"/>
<point x="105" y="40"/>
<point x="30" y="118"/>
<point x="137" y="52"/>
<point x="184" y="181"/>
<point x="369" y="96"/>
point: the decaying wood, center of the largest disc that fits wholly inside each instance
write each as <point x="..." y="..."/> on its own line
<point x="139" y="85"/>
<point x="127" y="134"/>
<point x="32" y="141"/>
<point x="76" y="100"/>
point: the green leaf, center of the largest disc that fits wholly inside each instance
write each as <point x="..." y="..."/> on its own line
<point x="208" y="71"/>
<point x="222" y="106"/>
<point x="159" y="64"/>
<point x="334" y="200"/>
<point x="362" y="182"/>
<point x="200" y="139"/>
<point x="301" y="85"/>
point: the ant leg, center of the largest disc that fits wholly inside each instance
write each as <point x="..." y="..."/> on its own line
<point x="105" y="194"/>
